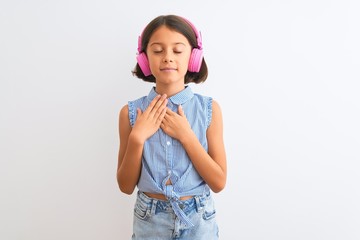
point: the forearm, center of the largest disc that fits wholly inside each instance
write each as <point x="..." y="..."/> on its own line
<point x="207" y="167"/>
<point x="130" y="168"/>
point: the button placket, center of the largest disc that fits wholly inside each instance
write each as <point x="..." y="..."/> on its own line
<point x="168" y="146"/>
<point x="169" y="152"/>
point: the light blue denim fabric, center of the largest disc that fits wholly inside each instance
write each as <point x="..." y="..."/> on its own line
<point x="155" y="219"/>
<point x="165" y="158"/>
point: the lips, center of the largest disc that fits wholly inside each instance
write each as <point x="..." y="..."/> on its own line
<point x="168" y="69"/>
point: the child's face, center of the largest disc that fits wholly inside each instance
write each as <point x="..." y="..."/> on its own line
<point x="168" y="52"/>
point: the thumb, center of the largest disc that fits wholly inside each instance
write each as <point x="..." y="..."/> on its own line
<point x="139" y="113"/>
<point x="181" y="111"/>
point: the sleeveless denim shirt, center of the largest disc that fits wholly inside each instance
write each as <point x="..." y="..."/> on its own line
<point x="165" y="158"/>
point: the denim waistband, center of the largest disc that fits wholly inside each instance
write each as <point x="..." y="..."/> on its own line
<point x="180" y="207"/>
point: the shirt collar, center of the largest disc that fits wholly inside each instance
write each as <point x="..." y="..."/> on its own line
<point x="179" y="98"/>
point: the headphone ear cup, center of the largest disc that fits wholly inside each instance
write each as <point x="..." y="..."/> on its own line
<point x="195" y="61"/>
<point x="143" y="63"/>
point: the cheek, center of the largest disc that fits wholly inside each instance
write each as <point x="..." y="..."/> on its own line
<point x="185" y="62"/>
<point x="153" y="62"/>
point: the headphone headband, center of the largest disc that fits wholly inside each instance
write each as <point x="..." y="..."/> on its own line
<point x="197" y="33"/>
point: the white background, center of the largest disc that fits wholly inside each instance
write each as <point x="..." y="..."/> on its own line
<point x="286" y="74"/>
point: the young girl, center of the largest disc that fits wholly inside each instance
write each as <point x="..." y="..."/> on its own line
<point x="171" y="141"/>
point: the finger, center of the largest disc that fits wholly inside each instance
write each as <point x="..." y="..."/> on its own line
<point x="168" y="113"/>
<point x="152" y="104"/>
<point x="159" y="106"/>
<point x="161" y="117"/>
<point x="181" y="111"/>
<point x="139" y="113"/>
<point x="162" y="125"/>
<point x="162" y="101"/>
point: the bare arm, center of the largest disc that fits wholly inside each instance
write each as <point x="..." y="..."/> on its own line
<point x="132" y="141"/>
<point x="129" y="159"/>
<point x="210" y="165"/>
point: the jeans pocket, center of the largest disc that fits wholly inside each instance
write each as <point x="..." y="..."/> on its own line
<point x="209" y="210"/>
<point x="142" y="210"/>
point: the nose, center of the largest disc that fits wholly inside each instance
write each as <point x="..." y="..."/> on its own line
<point x="168" y="57"/>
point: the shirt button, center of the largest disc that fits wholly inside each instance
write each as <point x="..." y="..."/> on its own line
<point x="168" y="143"/>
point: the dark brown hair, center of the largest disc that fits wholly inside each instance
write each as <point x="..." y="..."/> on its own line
<point x="177" y="24"/>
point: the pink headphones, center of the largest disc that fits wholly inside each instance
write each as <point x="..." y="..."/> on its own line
<point x="195" y="61"/>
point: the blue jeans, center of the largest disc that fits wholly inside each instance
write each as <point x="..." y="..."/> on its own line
<point x="155" y="219"/>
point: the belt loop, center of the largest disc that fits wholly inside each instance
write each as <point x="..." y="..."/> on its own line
<point x="197" y="202"/>
<point x="153" y="206"/>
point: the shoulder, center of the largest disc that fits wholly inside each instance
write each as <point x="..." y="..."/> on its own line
<point x="216" y="106"/>
<point x="210" y="106"/>
<point x="199" y="95"/>
<point x="204" y="100"/>
<point x="128" y="112"/>
<point x="216" y="124"/>
<point x="124" y="110"/>
<point x="215" y="111"/>
<point x="124" y="113"/>
<point x="138" y="100"/>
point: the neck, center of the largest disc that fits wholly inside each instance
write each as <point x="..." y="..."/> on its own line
<point x="169" y="90"/>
